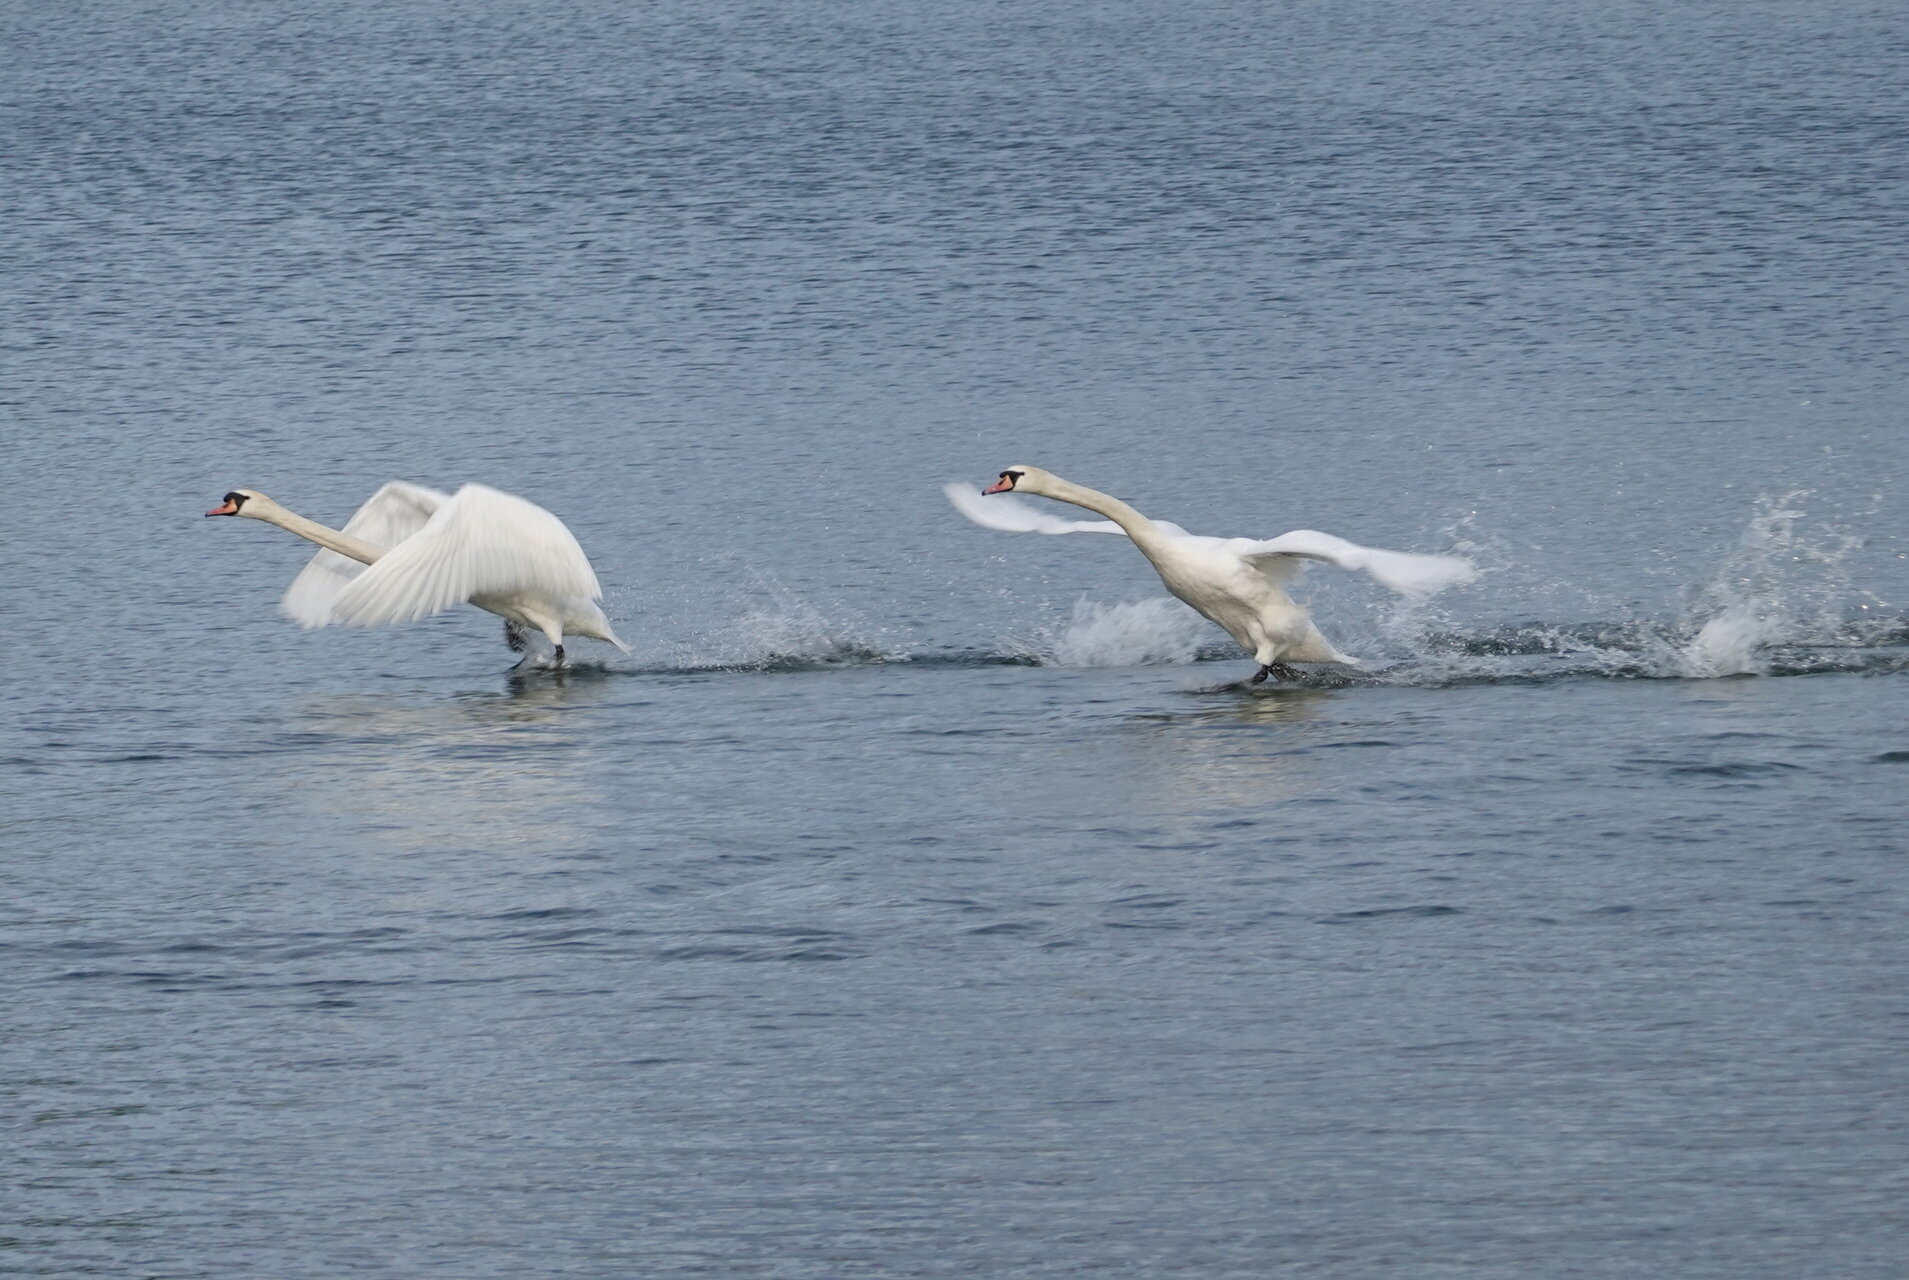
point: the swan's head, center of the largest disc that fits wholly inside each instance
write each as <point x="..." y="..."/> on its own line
<point x="1020" y="479"/>
<point x="242" y="502"/>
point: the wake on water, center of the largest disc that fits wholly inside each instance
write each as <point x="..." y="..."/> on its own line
<point x="1780" y="604"/>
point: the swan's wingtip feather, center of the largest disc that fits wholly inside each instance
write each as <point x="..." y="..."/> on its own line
<point x="965" y="498"/>
<point x="968" y="500"/>
<point x="1009" y="514"/>
<point x="1418" y="576"/>
<point x="309" y="618"/>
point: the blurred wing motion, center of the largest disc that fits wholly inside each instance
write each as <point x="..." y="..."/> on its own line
<point x="1404" y="572"/>
<point x="480" y="542"/>
<point x="390" y="516"/>
<point x="1010" y="514"/>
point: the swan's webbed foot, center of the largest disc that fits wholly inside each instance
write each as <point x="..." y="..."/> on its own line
<point x="1277" y="670"/>
<point x="514" y="637"/>
<point x="1259" y="677"/>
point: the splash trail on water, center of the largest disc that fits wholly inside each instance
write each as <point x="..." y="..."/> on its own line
<point x="1780" y="604"/>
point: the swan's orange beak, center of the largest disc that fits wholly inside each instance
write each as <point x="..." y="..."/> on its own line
<point x="1002" y="485"/>
<point x="227" y="508"/>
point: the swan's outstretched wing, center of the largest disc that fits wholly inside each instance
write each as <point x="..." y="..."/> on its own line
<point x="480" y="542"/>
<point x="388" y="517"/>
<point x="1014" y="516"/>
<point x="1404" y="572"/>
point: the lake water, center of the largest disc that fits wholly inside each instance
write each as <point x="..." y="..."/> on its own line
<point x="919" y="900"/>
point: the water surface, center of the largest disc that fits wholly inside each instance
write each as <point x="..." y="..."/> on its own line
<point x="919" y="900"/>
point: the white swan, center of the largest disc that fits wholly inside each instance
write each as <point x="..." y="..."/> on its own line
<point x="1239" y="583"/>
<point x="428" y="551"/>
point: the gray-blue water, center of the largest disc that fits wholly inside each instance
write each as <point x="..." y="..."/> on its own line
<point x="918" y="900"/>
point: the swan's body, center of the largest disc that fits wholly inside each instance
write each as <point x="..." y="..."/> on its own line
<point x="427" y="551"/>
<point x="1239" y="583"/>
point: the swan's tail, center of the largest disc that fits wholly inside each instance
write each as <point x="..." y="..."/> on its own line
<point x="595" y="624"/>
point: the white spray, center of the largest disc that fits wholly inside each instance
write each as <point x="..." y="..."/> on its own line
<point x="1160" y="630"/>
<point x="1780" y="587"/>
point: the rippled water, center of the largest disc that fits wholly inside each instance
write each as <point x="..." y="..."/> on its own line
<point x="919" y="900"/>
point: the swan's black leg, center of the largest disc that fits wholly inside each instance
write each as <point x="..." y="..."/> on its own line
<point x="1259" y="677"/>
<point x="514" y="636"/>
<point x="558" y="657"/>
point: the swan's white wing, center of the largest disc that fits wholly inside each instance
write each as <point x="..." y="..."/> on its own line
<point x="1404" y="572"/>
<point x="388" y="517"/>
<point x="480" y="542"/>
<point x="1002" y="511"/>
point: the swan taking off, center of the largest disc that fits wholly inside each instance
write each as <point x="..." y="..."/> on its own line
<point x="428" y="551"/>
<point x="1239" y="583"/>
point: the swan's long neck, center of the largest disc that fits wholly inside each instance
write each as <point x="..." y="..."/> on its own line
<point x="1143" y="531"/>
<point x="312" y="531"/>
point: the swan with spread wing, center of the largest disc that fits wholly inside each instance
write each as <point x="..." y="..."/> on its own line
<point x="1239" y="583"/>
<point x="411" y="551"/>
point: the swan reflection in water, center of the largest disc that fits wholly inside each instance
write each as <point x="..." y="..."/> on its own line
<point x="491" y="771"/>
<point x="1239" y="747"/>
<point x="1219" y="750"/>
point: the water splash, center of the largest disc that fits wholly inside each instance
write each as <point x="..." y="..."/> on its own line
<point x="1135" y="633"/>
<point x="770" y="627"/>
<point x="785" y="630"/>
<point x="1781" y="604"/>
<point x="1728" y="644"/>
<point x="1783" y="586"/>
